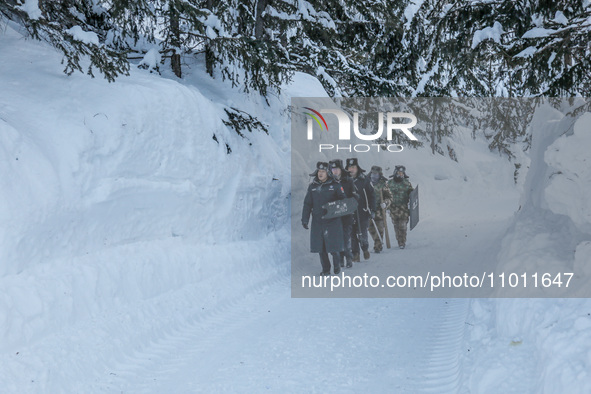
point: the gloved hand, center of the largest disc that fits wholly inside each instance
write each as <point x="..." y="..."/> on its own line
<point x="383" y="205"/>
<point x="305" y="225"/>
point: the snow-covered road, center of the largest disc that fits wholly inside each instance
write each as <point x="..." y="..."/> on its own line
<point x="249" y="335"/>
<point x="267" y="341"/>
<point x="256" y="338"/>
<point x="236" y="328"/>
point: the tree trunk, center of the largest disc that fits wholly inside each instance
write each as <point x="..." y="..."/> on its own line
<point x="209" y="55"/>
<point x="175" y="39"/>
<point x="175" y="63"/>
<point x="259" y="27"/>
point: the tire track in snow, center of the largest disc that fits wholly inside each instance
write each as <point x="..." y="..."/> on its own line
<point x="84" y="354"/>
<point x="192" y="355"/>
<point x="439" y="348"/>
<point x="205" y="353"/>
<point x="443" y="366"/>
<point x="194" y="339"/>
<point x="283" y="345"/>
<point x="190" y="339"/>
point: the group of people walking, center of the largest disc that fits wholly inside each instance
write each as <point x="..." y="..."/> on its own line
<point x="346" y="237"/>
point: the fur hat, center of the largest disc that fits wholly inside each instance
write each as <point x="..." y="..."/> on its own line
<point x="377" y="170"/>
<point x="336" y="163"/>
<point x="399" y="168"/>
<point x="321" y="165"/>
<point x="353" y="162"/>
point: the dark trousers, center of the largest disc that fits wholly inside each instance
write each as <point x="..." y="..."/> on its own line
<point x="347" y="231"/>
<point x="362" y="241"/>
<point x="325" y="261"/>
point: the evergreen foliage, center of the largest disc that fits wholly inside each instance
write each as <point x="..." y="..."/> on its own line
<point x="57" y="25"/>
<point x="241" y="121"/>
<point x="375" y="48"/>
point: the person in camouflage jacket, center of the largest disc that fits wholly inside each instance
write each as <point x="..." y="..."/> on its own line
<point x="383" y="200"/>
<point x="400" y="188"/>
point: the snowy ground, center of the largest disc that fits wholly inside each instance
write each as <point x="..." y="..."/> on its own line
<point x="136" y="255"/>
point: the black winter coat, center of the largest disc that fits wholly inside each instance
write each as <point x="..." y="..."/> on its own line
<point x="329" y="231"/>
<point x="367" y="195"/>
<point x="347" y="183"/>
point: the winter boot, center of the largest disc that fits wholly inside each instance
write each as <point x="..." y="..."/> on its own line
<point x="366" y="254"/>
<point x="349" y="262"/>
<point x="337" y="269"/>
<point x="356" y="258"/>
<point x="325" y="273"/>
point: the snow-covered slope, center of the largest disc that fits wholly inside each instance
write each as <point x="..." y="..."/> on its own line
<point x="112" y="194"/>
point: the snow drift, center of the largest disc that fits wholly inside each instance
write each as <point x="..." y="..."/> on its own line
<point x="116" y="193"/>
<point x="542" y="345"/>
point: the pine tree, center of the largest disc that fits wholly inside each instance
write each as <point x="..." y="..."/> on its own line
<point x="552" y="56"/>
<point x="243" y="50"/>
<point x="351" y="47"/>
<point x="78" y="28"/>
<point x="499" y="48"/>
<point x="180" y="26"/>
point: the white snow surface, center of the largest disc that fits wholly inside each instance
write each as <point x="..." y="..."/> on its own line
<point x="543" y="345"/>
<point x="152" y="59"/>
<point x="410" y="11"/>
<point x="568" y="157"/>
<point x="31" y="7"/>
<point x="87" y="37"/>
<point x="559" y="17"/>
<point x="538" y="32"/>
<point x="527" y="52"/>
<point x="137" y="255"/>
<point x="494" y="33"/>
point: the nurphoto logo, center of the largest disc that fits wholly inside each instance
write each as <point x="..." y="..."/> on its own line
<point x="393" y="124"/>
<point x="316" y="119"/>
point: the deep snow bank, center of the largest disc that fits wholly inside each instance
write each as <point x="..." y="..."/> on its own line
<point x="115" y="193"/>
<point x="543" y="345"/>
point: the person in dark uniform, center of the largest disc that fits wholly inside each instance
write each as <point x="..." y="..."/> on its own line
<point x="326" y="235"/>
<point x="342" y="176"/>
<point x="366" y="209"/>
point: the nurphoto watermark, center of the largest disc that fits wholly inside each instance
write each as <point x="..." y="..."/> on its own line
<point x="359" y="226"/>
